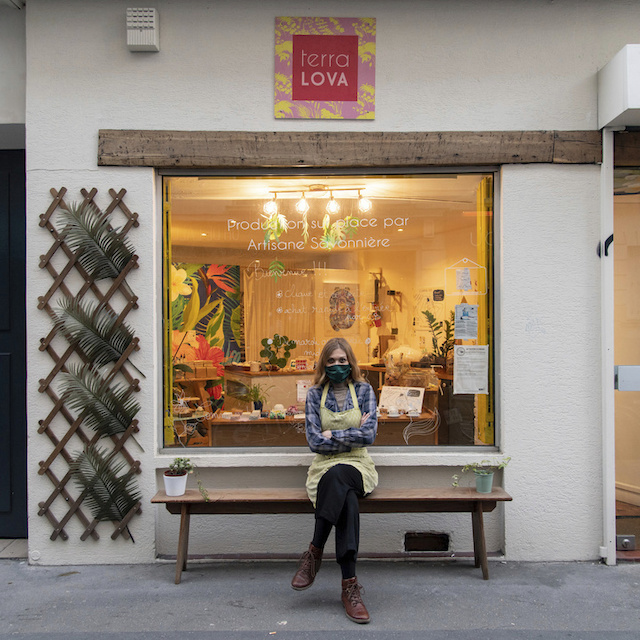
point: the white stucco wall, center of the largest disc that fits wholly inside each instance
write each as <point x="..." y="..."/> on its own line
<point x="12" y="66"/>
<point x="440" y="66"/>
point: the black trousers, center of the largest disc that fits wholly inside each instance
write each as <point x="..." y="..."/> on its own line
<point x="337" y="505"/>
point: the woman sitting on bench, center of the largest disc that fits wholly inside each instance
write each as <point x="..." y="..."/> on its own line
<point x="341" y="420"/>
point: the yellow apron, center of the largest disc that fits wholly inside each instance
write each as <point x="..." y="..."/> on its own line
<point x="358" y="457"/>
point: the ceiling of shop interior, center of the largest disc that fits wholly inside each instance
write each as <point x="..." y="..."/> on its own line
<point x="201" y="207"/>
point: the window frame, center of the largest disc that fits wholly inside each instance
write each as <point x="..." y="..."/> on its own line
<point x="414" y="452"/>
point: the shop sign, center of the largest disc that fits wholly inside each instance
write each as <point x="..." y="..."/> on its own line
<point x="325" y="68"/>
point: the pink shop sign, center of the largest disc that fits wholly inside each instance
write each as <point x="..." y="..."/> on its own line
<point x="325" y="68"/>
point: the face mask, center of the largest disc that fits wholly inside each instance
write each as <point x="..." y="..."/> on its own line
<point x="338" y="372"/>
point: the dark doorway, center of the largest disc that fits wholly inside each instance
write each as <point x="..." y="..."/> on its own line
<point x="13" y="420"/>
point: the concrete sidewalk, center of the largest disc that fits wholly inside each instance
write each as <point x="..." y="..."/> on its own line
<point x="250" y="600"/>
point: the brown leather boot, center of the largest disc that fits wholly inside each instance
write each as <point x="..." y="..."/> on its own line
<point x="352" y="601"/>
<point x="307" y="569"/>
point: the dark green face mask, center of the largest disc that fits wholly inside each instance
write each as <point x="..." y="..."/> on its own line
<point x="338" y="372"/>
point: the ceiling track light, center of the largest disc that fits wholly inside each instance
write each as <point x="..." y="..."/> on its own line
<point x="364" y="204"/>
<point x="271" y="206"/>
<point x="332" y="206"/>
<point x="302" y="206"/>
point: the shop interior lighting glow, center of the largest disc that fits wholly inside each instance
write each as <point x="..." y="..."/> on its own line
<point x="364" y="204"/>
<point x="332" y="206"/>
<point x="302" y="206"/>
<point x="270" y="206"/>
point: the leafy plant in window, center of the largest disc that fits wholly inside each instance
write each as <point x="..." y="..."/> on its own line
<point x="335" y="232"/>
<point x="274" y="225"/>
<point x="442" y="338"/>
<point x="255" y="394"/>
<point x="277" y="350"/>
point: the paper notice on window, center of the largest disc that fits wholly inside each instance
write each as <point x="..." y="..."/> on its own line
<point x="302" y="386"/>
<point x="463" y="279"/>
<point x="466" y="325"/>
<point x="471" y="369"/>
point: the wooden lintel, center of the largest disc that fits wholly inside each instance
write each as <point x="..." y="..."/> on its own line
<point x="238" y="149"/>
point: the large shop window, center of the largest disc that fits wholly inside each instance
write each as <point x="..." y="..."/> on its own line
<point x="261" y="271"/>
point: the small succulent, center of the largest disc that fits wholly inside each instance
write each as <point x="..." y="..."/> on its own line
<point x="180" y="467"/>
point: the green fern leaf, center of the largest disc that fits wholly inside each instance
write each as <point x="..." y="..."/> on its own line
<point x="95" y="330"/>
<point x="108" y="410"/>
<point x="103" y="251"/>
<point x="110" y="496"/>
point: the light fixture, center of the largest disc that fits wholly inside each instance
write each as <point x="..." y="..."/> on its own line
<point x="332" y="206"/>
<point x="302" y="206"/>
<point x="271" y="206"/>
<point x="364" y="204"/>
<point x="204" y="235"/>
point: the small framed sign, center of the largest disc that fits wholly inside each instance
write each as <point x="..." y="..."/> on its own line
<point x="325" y="68"/>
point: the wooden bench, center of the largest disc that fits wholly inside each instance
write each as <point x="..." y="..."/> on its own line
<point x="252" y="501"/>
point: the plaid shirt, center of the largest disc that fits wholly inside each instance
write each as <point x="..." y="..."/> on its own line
<point x="345" y="439"/>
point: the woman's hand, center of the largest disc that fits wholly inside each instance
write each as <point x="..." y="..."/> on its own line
<point x="365" y="417"/>
<point x="327" y="433"/>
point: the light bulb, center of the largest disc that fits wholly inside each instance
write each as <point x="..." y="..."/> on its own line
<point x="332" y="206"/>
<point x="364" y="204"/>
<point x="270" y="207"/>
<point x="302" y="206"/>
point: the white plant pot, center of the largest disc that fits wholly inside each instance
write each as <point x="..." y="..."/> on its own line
<point x="175" y="485"/>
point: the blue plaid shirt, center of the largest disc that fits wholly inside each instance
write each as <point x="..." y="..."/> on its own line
<point x="345" y="439"/>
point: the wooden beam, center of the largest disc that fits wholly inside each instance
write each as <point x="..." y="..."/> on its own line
<point x="246" y="149"/>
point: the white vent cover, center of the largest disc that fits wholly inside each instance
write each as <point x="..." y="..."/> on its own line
<point x="143" y="29"/>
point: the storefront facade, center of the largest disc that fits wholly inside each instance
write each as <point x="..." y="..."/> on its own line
<point x="193" y="124"/>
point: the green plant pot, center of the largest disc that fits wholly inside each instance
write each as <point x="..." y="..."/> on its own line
<point x="484" y="482"/>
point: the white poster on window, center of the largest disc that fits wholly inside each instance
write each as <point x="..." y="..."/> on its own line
<point x="471" y="369"/>
<point x="466" y="325"/>
<point x="302" y="386"/>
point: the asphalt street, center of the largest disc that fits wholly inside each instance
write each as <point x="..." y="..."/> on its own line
<point x="251" y="600"/>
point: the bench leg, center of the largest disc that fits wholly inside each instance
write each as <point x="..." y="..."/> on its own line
<point x="183" y="541"/>
<point x="479" y="544"/>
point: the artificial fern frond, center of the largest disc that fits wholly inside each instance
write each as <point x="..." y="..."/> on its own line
<point x="109" y="496"/>
<point x="101" y="250"/>
<point x="109" y="410"/>
<point x="95" y="330"/>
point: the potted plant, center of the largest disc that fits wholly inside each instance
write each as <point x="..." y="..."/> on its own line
<point x="175" y="477"/>
<point x="255" y="394"/>
<point x="442" y="339"/>
<point x="483" y="472"/>
<point x="272" y="348"/>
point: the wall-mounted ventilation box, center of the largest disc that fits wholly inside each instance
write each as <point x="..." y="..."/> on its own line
<point x="143" y="29"/>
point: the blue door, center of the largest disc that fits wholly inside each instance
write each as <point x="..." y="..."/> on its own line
<point x="13" y="421"/>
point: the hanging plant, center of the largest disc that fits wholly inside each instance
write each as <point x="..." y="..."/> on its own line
<point x="103" y="251"/>
<point x="110" y="496"/>
<point x="274" y="225"/>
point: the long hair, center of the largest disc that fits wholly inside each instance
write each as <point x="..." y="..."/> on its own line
<point x="320" y="378"/>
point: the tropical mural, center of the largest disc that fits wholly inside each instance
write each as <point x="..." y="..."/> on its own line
<point x="207" y="318"/>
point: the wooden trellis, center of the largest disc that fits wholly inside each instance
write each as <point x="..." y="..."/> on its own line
<point x="62" y="500"/>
